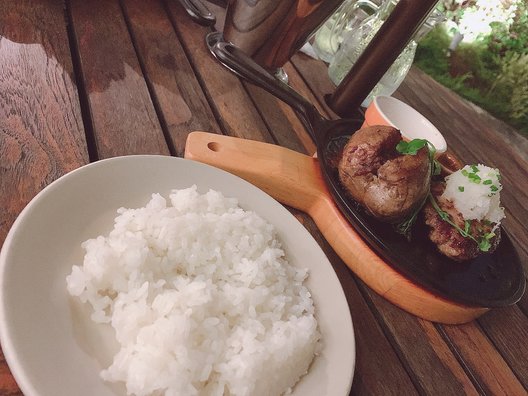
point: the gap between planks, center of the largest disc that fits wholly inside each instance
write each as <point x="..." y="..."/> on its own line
<point x="203" y="85"/>
<point x="150" y="88"/>
<point x="84" y="104"/>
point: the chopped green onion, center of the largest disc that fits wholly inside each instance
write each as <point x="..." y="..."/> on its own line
<point x="461" y="188"/>
<point x="494" y="188"/>
<point x="474" y="168"/>
<point x="474" y="178"/>
<point x="465" y="172"/>
<point x="487" y="181"/>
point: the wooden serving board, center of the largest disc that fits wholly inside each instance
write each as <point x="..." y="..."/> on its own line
<point x="295" y="180"/>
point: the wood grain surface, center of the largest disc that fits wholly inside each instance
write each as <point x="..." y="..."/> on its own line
<point x="41" y="128"/>
<point x="230" y="102"/>
<point x="433" y="364"/>
<point x="123" y="117"/>
<point x="488" y="366"/>
<point x="180" y="101"/>
<point x="82" y="80"/>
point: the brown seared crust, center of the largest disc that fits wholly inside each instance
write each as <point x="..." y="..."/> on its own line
<point x="388" y="184"/>
<point x="447" y="239"/>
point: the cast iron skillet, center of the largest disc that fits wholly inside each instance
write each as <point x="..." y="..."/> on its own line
<point x="491" y="280"/>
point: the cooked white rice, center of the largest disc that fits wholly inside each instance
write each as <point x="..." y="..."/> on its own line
<point x="201" y="298"/>
<point x="475" y="192"/>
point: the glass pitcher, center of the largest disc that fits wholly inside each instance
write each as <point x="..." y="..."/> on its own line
<point x="355" y="41"/>
<point x="348" y="16"/>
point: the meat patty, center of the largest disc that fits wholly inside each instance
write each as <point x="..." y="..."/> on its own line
<point x="447" y="238"/>
<point x="389" y="185"/>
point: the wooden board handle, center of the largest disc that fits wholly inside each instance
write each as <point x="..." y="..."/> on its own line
<point x="295" y="180"/>
<point x="290" y="177"/>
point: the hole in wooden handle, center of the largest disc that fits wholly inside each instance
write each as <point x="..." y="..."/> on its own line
<point x="213" y="146"/>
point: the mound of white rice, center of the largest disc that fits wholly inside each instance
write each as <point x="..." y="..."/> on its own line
<point x="475" y="192"/>
<point x="201" y="298"/>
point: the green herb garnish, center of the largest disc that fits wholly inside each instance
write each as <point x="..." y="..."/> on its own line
<point x="467" y="226"/>
<point x="404" y="227"/>
<point x="483" y="242"/>
<point x="461" y="188"/>
<point x="412" y="147"/>
<point x="487" y="181"/>
<point x="415" y="145"/>
<point x="494" y="188"/>
<point x="474" y="168"/>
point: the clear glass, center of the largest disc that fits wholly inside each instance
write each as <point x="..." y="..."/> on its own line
<point x="348" y="16"/>
<point x="355" y="41"/>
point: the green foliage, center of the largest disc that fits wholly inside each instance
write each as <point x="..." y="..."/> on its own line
<point x="496" y="82"/>
<point x="431" y="51"/>
<point x="470" y="59"/>
<point x="454" y="9"/>
<point x="513" y="77"/>
<point x="504" y="39"/>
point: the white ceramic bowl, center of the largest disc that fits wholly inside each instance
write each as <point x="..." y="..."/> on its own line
<point x="386" y="110"/>
<point x="50" y="344"/>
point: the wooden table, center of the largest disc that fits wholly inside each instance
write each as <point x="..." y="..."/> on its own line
<point x="86" y="80"/>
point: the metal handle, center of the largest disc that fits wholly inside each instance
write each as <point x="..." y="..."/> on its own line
<point x="243" y="66"/>
<point x="198" y="12"/>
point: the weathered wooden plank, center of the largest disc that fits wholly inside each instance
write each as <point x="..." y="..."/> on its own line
<point x="231" y="104"/>
<point x="181" y="103"/>
<point x="41" y="128"/>
<point x="378" y="369"/>
<point x="123" y="116"/>
<point x="486" y="363"/>
<point x="507" y="328"/>
<point x="422" y="348"/>
<point x="282" y="121"/>
<point x="315" y="74"/>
